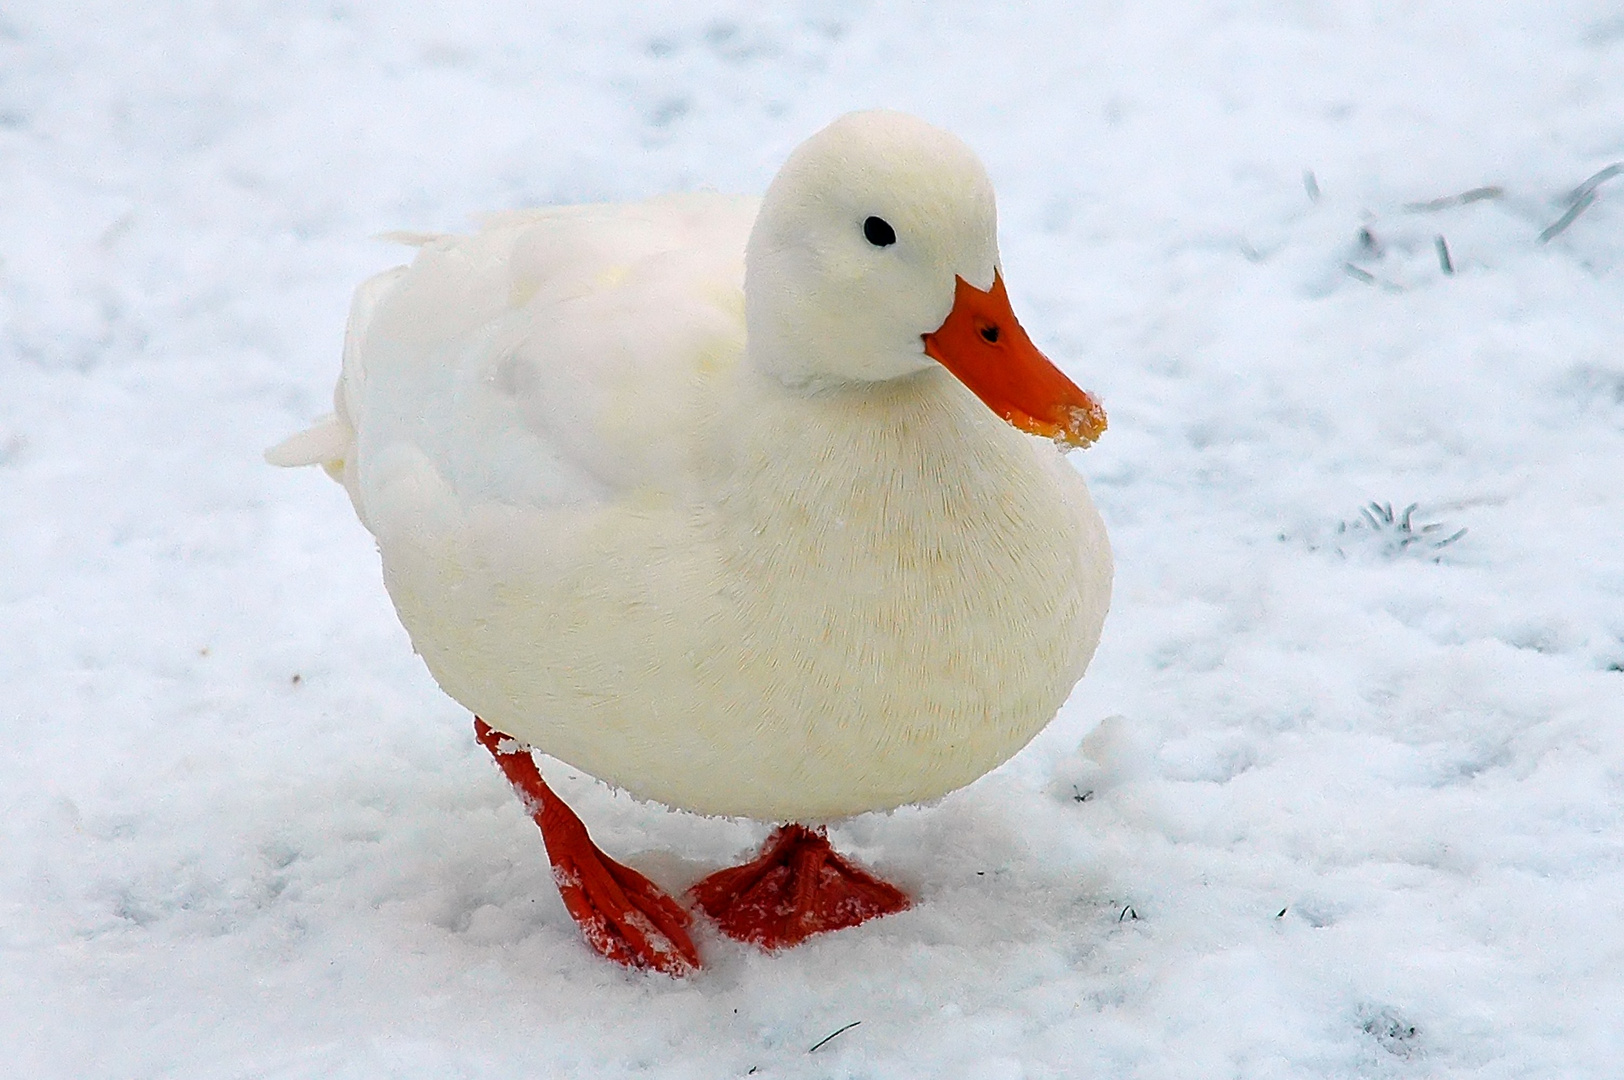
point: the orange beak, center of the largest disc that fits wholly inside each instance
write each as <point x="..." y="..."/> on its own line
<point x="986" y="349"/>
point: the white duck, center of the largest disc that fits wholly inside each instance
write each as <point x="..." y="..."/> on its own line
<point x="697" y="496"/>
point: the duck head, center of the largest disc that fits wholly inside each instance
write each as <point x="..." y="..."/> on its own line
<point x="875" y="257"/>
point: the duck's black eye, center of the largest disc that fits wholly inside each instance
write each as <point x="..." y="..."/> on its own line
<point x="879" y="232"/>
<point x="989" y="334"/>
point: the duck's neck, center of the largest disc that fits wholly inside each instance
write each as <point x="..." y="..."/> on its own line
<point x="905" y="440"/>
<point x="818" y="363"/>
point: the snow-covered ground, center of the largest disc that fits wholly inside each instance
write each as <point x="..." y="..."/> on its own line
<point x="1347" y="802"/>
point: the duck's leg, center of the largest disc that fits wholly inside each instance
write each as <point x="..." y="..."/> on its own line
<point x="798" y="886"/>
<point x="623" y="914"/>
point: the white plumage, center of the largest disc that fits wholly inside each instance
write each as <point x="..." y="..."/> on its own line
<point x="780" y="564"/>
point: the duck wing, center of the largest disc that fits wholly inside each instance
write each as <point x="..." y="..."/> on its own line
<point x="553" y="358"/>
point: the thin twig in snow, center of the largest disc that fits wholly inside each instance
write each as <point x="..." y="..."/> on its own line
<point x="1477" y="194"/>
<point x="1579" y="199"/>
<point x="832" y="1034"/>
<point x="1596" y="180"/>
<point x="1556" y="227"/>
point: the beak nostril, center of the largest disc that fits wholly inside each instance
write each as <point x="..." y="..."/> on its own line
<point x="1007" y="372"/>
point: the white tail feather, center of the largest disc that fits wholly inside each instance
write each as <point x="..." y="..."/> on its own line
<point x="330" y="441"/>
<point x="327" y="444"/>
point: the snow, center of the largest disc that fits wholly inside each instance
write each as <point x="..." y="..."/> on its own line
<point x="1327" y="803"/>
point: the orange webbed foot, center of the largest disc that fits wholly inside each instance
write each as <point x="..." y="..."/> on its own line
<point x="798" y="886"/>
<point x="622" y="914"/>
